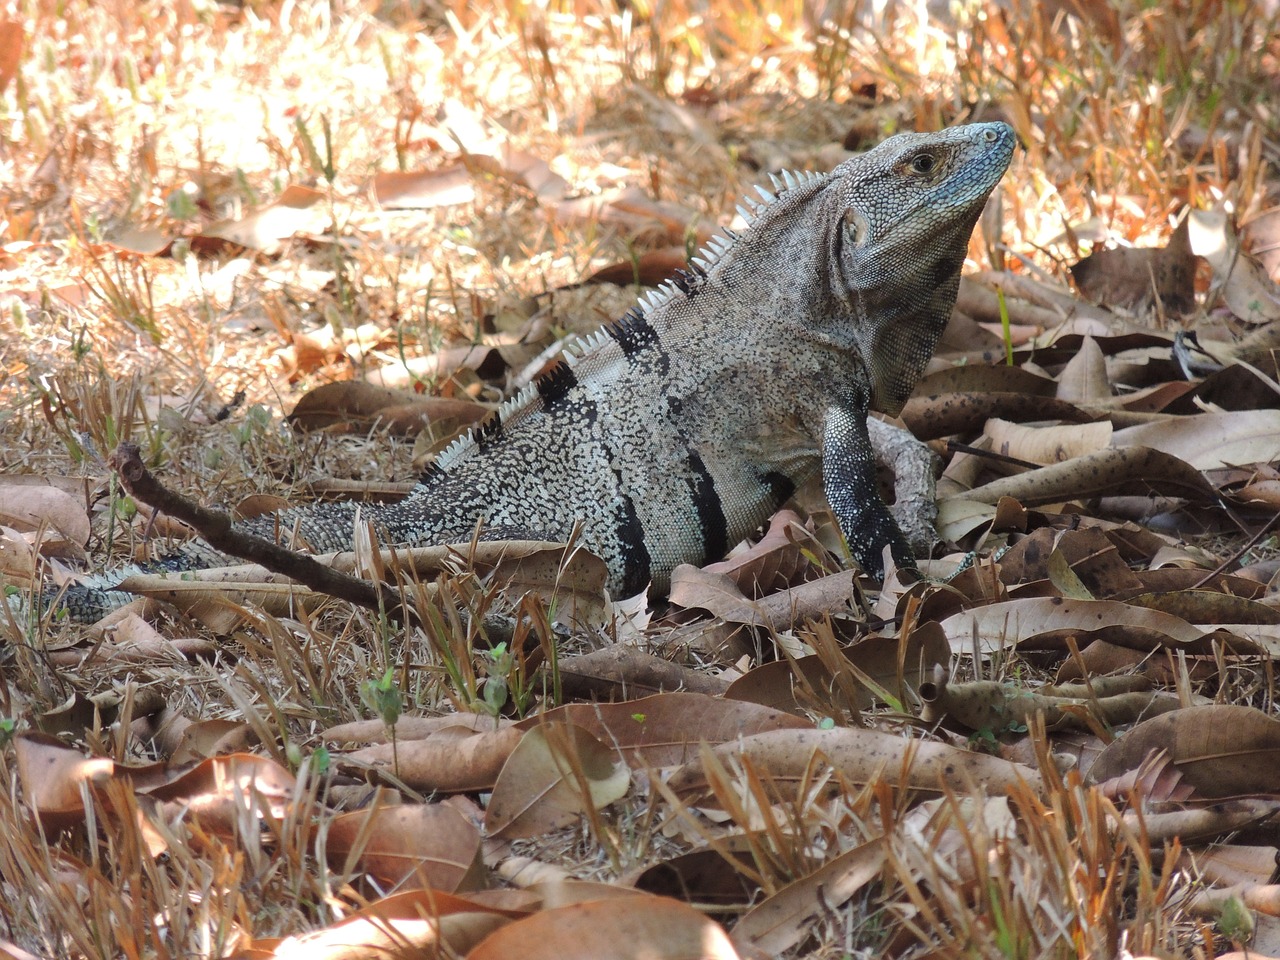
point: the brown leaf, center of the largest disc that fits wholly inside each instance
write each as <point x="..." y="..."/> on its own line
<point x="1093" y="558"/>
<point x="1225" y="864"/>
<point x="998" y="708"/>
<point x="486" y="362"/>
<point x="452" y="760"/>
<point x="1221" y="750"/>
<point x="1245" y="287"/>
<point x="631" y="928"/>
<point x="211" y="738"/>
<point x="27" y="508"/>
<point x="411" y="728"/>
<point x="787" y="918"/>
<point x="51" y="775"/>
<point x="1048" y="444"/>
<point x="1208" y="441"/>
<point x="1135" y="279"/>
<point x="710" y="875"/>
<point x="359" y="405"/>
<point x="858" y="757"/>
<point x="1045" y="623"/>
<point x="618" y="671"/>
<point x="780" y="560"/>
<point x="943" y="414"/>
<point x="649" y="269"/>
<point x="404" y="926"/>
<point x="541" y="786"/>
<point x="985" y="378"/>
<point x="11" y="42"/>
<point x="1084" y="378"/>
<point x="131" y="640"/>
<point x="667" y="728"/>
<point x="139" y="241"/>
<point x="217" y="792"/>
<point x="1130" y="469"/>
<point x="695" y="588"/>
<point x="445" y="186"/>
<point x="407" y="846"/>
<point x="775" y="684"/>
<point x="297" y="210"/>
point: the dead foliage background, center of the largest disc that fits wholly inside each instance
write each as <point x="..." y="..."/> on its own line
<point x="291" y="248"/>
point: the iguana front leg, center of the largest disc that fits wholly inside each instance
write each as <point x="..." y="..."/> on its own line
<point x="849" y="480"/>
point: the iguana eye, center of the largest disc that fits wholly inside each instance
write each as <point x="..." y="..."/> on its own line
<point x="923" y="163"/>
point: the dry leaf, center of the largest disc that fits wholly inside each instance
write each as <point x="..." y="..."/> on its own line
<point x="1221" y="750"/>
<point x="297" y="210"/>
<point x="407" y="846"/>
<point x="631" y="928"/>
<point x="541" y="786"/>
<point x="858" y="757"/>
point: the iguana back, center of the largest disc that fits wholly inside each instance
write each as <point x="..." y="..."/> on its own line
<point x="672" y="434"/>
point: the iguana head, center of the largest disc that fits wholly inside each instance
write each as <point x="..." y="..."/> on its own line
<point x="903" y="213"/>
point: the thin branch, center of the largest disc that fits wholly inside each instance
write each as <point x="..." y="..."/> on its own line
<point x="216" y="528"/>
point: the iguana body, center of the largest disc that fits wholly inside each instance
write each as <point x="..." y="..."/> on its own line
<point x="671" y="435"/>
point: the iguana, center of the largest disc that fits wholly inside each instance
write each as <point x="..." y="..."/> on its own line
<point x="673" y="433"/>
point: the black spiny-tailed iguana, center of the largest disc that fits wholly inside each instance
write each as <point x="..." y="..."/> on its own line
<point x="673" y="433"/>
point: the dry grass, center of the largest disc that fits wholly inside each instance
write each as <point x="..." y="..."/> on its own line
<point x="127" y="117"/>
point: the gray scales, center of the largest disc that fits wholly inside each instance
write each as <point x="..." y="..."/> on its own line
<point x="670" y="435"/>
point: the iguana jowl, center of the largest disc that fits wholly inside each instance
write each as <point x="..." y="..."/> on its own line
<point x="673" y="433"/>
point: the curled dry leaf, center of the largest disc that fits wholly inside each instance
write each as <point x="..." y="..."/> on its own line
<point x="411" y="728"/>
<point x="985" y="378"/>
<point x="52" y="775"/>
<point x="220" y="791"/>
<point x="1248" y="291"/>
<point x="617" y="672"/>
<point x="451" y="760"/>
<point x="297" y="210"/>
<point x="1226" y="864"/>
<point x="695" y="588"/>
<point x="131" y="640"/>
<point x="555" y="773"/>
<point x="858" y="757"/>
<point x="781" y="559"/>
<point x="713" y="876"/>
<point x="794" y="685"/>
<point x="1045" y="623"/>
<point x="1045" y="445"/>
<point x="445" y="186"/>
<point x="30" y="511"/>
<point x="1221" y="750"/>
<point x="667" y="728"/>
<point x="786" y="918"/>
<point x="1084" y="378"/>
<point x="1125" y="470"/>
<point x="631" y="928"/>
<point x="1203" y="823"/>
<point x="1209" y="441"/>
<point x="358" y="406"/>
<point x="942" y="415"/>
<point x="986" y="705"/>
<point x="1139" y="278"/>
<point x="573" y="580"/>
<point x="407" y="846"/>
<point x="406" y="925"/>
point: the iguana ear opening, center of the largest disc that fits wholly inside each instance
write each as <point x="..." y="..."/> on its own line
<point x="856" y="226"/>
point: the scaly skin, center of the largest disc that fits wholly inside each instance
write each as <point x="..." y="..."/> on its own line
<point x="674" y="433"/>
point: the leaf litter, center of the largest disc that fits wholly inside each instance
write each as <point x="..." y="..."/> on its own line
<point x="886" y="770"/>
